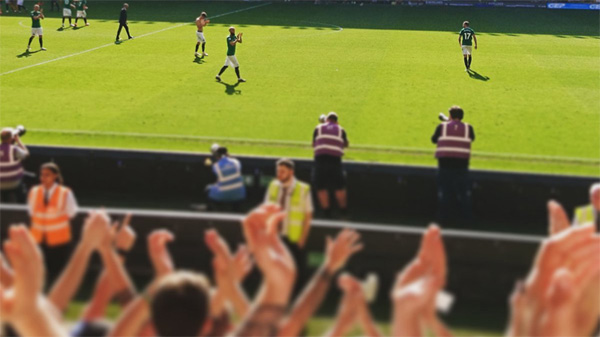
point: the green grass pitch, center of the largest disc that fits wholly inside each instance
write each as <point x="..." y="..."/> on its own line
<point x="387" y="70"/>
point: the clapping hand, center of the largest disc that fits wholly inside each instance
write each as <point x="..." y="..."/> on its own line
<point x="159" y="254"/>
<point x="339" y="250"/>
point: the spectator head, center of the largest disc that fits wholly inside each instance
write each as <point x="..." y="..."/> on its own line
<point x="456" y="112"/>
<point x="285" y="170"/>
<point x="232" y="30"/>
<point x="221" y="151"/>
<point x="214" y="148"/>
<point x="180" y="305"/>
<point x="203" y="15"/>
<point x="332" y="117"/>
<point x="6" y="135"/>
<point x="466" y="24"/>
<point x="50" y="174"/>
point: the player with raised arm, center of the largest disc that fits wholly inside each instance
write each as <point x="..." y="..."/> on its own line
<point x="232" y="41"/>
<point x="201" y="22"/>
<point x="67" y="5"/>
<point x="467" y="35"/>
<point x="81" y="11"/>
<point x="36" y="26"/>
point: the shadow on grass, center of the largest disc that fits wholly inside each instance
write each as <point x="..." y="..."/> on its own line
<point x="477" y="76"/>
<point x="199" y="60"/>
<point x="28" y="53"/>
<point x="230" y="89"/>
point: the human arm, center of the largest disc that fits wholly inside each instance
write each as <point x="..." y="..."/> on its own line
<point x="103" y="292"/>
<point x="337" y="252"/>
<point x="278" y="269"/>
<point x="23" y="151"/>
<point x="306" y="225"/>
<point x="436" y="134"/>
<point x="72" y="206"/>
<point x="471" y="133"/>
<point x="6" y="273"/>
<point x="24" y="306"/>
<point x="229" y="271"/>
<point x="119" y="278"/>
<point x="475" y="39"/>
<point x="69" y="281"/>
<point x="345" y="138"/>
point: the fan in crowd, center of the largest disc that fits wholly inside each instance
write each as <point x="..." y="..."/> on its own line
<point x="558" y="297"/>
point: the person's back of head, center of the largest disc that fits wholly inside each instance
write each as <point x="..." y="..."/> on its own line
<point x="6" y="136"/>
<point x="180" y="304"/>
<point x="456" y="112"/>
<point x="221" y="151"/>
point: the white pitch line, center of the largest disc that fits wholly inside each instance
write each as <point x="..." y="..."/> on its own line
<point x="138" y="37"/>
<point x="292" y="143"/>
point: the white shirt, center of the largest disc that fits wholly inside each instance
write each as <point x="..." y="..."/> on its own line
<point x="71" y="203"/>
<point x="291" y="186"/>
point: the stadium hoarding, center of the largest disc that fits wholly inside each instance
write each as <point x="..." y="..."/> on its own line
<point x="570" y="5"/>
<point x="502" y="201"/>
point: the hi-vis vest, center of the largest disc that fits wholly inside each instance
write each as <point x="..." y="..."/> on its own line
<point x="295" y="217"/>
<point x="329" y="140"/>
<point x="11" y="169"/>
<point x="454" y="142"/>
<point x="230" y="183"/>
<point x="50" y="222"/>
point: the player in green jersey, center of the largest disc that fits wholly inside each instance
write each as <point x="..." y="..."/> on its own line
<point x="232" y="41"/>
<point x="36" y="26"/>
<point x="81" y="11"/>
<point x="467" y="35"/>
<point x="67" y="5"/>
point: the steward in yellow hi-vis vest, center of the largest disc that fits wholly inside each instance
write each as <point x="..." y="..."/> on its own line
<point x="294" y="197"/>
<point x="51" y="206"/>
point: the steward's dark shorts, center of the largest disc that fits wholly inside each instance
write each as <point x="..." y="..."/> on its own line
<point x="328" y="173"/>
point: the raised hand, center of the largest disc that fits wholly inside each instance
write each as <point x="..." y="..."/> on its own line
<point x="338" y="251"/>
<point x="96" y="230"/>
<point x="125" y="236"/>
<point x="158" y="252"/>
<point x="28" y="265"/>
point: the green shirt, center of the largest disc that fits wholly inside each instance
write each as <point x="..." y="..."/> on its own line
<point x="35" y="23"/>
<point x="467" y="36"/>
<point x="230" y="48"/>
<point x="80" y="4"/>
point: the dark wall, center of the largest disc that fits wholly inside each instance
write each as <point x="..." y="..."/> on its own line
<point x="508" y="202"/>
<point x="482" y="267"/>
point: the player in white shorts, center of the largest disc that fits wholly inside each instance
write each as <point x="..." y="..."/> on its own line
<point x="201" y="22"/>
<point x="81" y="8"/>
<point x="67" y="5"/>
<point x="36" y="27"/>
<point x="231" y="60"/>
<point x="21" y="5"/>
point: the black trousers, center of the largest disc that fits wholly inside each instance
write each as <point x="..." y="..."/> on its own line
<point x="121" y="25"/>
<point x="55" y="259"/>
<point x="15" y="195"/>
<point x="299" y="255"/>
<point x="454" y="189"/>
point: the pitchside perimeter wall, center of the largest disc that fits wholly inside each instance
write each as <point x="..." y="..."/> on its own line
<point x="393" y="194"/>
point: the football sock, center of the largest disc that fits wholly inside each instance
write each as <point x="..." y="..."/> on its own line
<point x="203" y="44"/>
<point x="237" y="71"/>
<point x="85" y="20"/>
<point x="470" y="58"/>
<point x="63" y="20"/>
<point x="196" y="47"/>
<point x="30" y="39"/>
<point x="222" y="70"/>
<point x="41" y="43"/>
<point x="69" y="20"/>
<point x="466" y="62"/>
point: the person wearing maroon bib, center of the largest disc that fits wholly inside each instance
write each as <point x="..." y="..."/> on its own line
<point x="453" y="139"/>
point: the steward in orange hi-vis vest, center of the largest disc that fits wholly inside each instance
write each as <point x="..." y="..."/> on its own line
<point x="49" y="216"/>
